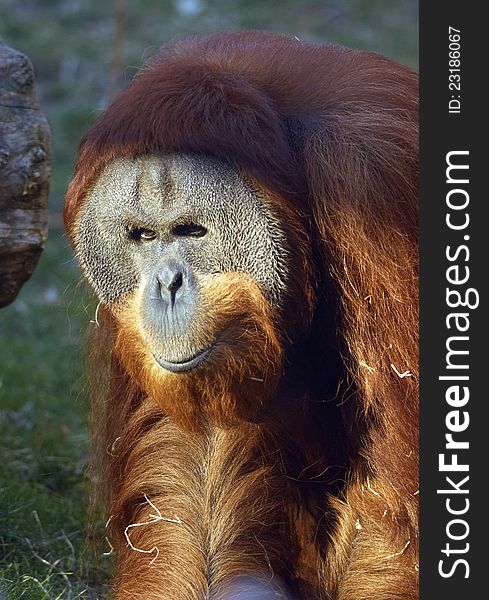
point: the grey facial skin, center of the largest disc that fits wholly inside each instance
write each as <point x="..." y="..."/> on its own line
<point x="159" y="223"/>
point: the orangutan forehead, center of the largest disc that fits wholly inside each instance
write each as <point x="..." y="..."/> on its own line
<point x="153" y="185"/>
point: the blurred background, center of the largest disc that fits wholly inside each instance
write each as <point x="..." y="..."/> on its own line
<point x="84" y="52"/>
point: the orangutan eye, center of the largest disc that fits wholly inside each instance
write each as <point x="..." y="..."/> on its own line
<point x="189" y="230"/>
<point x="141" y="234"/>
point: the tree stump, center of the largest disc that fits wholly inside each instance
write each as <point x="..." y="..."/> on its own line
<point x="24" y="173"/>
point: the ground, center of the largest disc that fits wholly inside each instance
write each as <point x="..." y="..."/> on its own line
<point x="43" y="440"/>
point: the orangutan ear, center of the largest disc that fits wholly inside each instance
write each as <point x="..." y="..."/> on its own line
<point x="297" y="131"/>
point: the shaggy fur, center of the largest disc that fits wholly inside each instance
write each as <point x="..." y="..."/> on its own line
<point x="316" y="493"/>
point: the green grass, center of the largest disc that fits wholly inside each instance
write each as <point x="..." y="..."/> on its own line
<point x="43" y="441"/>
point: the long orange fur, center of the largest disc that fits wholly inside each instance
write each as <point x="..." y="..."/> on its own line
<point x="312" y="484"/>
